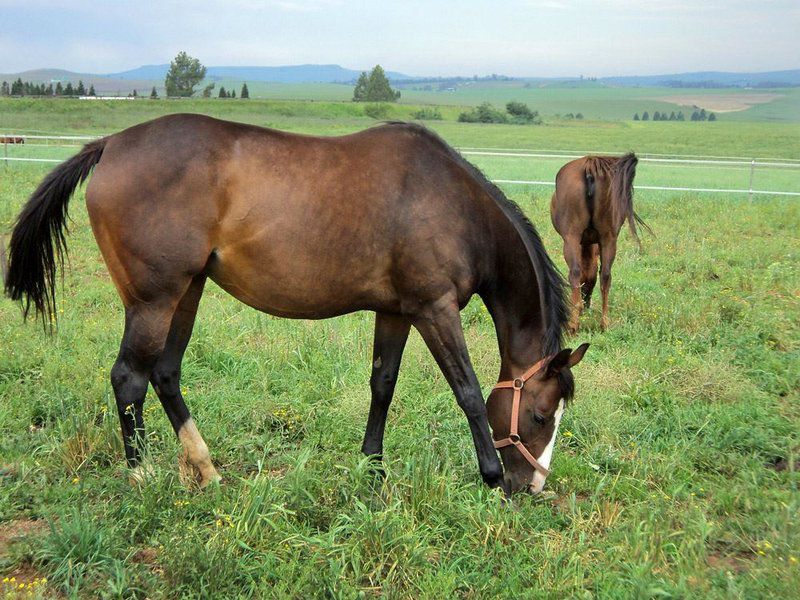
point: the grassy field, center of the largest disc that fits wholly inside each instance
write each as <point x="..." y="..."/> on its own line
<point x="592" y="99"/>
<point x="676" y="473"/>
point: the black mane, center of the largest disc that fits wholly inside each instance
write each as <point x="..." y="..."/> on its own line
<point x="552" y="287"/>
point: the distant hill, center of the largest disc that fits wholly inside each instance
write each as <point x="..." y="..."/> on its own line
<point x="710" y="79"/>
<point x="285" y="74"/>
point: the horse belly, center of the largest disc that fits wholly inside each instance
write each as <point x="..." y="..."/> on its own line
<point x="293" y="280"/>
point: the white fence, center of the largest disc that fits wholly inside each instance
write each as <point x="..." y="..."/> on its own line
<point x="707" y="161"/>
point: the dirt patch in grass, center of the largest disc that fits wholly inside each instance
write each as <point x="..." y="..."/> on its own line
<point x="782" y="464"/>
<point x="721" y="103"/>
<point x="16" y="530"/>
<point x="735" y="563"/>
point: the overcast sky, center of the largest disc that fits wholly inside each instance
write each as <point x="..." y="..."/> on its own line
<point x="417" y="37"/>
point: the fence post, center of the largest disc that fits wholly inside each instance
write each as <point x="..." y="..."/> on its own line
<point x="750" y="187"/>
<point x="5" y="151"/>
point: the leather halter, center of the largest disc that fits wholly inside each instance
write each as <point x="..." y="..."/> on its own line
<point x="513" y="437"/>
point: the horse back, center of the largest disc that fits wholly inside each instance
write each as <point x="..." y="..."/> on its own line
<point x="293" y="225"/>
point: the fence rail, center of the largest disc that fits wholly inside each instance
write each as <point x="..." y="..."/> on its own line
<point x="687" y="159"/>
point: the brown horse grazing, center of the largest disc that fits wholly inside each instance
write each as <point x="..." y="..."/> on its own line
<point x="12" y="140"/>
<point x="390" y="219"/>
<point x="593" y="199"/>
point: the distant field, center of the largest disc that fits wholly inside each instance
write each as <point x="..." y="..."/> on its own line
<point x="592" y="100"/>
<point x="611" y="103"/>
<point x="675" y="475"/>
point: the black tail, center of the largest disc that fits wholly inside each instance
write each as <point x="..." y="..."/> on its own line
<point x="622" y="194"/>
<point x="37" y="242"/>
<point x="589" y="188"/>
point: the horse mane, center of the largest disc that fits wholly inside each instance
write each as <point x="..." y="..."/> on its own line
<point x="552" y="287"/>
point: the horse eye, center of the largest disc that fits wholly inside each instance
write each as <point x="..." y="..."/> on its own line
<point x="539" y="419"/>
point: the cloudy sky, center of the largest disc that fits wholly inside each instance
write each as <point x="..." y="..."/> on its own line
<point x="417" y="37"/>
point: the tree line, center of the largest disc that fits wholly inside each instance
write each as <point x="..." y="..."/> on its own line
<point x="698" y="115"/>
<point x="28" y="88"/>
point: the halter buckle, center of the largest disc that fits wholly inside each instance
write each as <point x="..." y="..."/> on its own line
<point x="518" y="383"/>
<point x="515" y="438"/>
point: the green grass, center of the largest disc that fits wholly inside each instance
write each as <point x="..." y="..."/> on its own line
<point x="662" y="482"/>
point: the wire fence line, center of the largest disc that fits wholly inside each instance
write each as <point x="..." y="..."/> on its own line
<point x="642" y="158"/>
<point x="659" y="159"/>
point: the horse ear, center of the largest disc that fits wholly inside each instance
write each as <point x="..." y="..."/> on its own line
<point x="577" y="356"/>
<point x="565" y="359"/>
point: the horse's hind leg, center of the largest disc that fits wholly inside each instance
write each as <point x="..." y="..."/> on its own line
<point x="166" y="379"/>
<point x="391" y="333"/>
<point x="572" y="256"/>
<point x="589" y="258"/>
<point x="608" y="251"/>
<point x="146" y="329"/>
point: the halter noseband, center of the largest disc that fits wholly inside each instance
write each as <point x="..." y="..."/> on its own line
<point x="513" y="437"/>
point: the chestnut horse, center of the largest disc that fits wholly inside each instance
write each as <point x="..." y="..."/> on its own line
<point x="593" y="199"/>
<point x="390" y="219"/>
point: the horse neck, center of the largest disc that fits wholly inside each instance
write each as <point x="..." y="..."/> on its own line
<point x="513" y="301"/>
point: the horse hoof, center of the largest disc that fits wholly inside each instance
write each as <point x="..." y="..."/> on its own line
<point x="213" y="480"/>
<point x="141" y="474"/>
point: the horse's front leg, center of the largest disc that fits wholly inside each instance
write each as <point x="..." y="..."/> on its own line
<point x="391" y="333"/>
<point x="440" y="327"/>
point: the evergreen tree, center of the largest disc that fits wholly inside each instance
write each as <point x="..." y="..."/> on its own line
<point x="222" y="92"/>
<point x="59" y="89"/>
<point x="208" y="89"/>
<point x="680" y="116"/>
<point x="378" y="87"/>
<point x="245" y="92"/>
<point x="81" y="90"/>
<point x="636" y="117"/>
<point x="134" y="94"/>
<point x="645" y="116"/>
<point x="360" y="91"/>
<point x="702" y="116"/>
<point x="49" y="90"/>
<point x="184" y="73"/>
<point x="232" y="94"/>
<point x="712" y="117"/>
<point x="672" y="116"/>
<point x="656" y="116"/>
<point x="374" y="87"/>
<point x="68" y="91"/>
<point x="91" y="90"/>
<point x="695" y="116"/>
<point x="153" y="94"/>
<point x="5" y="89"/>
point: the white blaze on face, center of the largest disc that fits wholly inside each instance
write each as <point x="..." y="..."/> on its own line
<point x="537" y="485"/>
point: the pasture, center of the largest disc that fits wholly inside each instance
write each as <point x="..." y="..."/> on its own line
<point x="675" y="474"/>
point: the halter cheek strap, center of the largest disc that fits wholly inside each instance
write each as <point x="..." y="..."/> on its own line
<point x="513" y="438"/>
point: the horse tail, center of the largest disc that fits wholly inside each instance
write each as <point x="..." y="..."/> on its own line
<point x="589" y="190"/>
<point x="37" y="241"/>
<point x="622" y="195"/>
